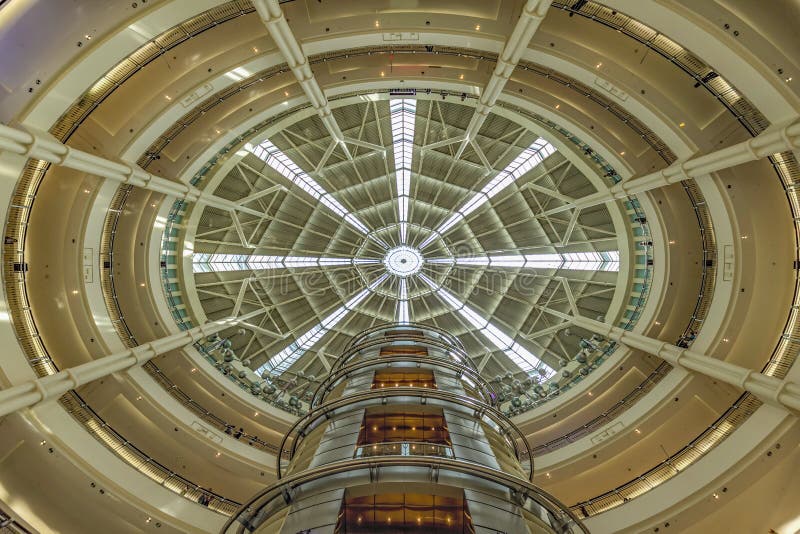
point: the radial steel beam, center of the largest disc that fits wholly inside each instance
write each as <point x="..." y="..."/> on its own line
<point x="42" y="389"/>
<point x="771" y="390"/>
<point x="278" y="28"/>
<point x="43" y="146"/>
<point x="533" y="12"/>
<point x="773" y="141"/>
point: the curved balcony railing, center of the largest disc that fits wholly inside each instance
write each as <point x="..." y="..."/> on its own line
<point x="508" y="429"/>
<point x="404" y="448"/>
<point x="460" y="355"/>
<point x="272" y="499"/>
<point x="482" y="385"/>
<point x="405" y="326"/>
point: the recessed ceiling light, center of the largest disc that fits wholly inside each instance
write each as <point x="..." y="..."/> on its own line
<point x="477" y="27"/>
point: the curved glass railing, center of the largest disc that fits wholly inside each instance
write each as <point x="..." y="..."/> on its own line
<point x="786" y="167"/>
<point x="404" y="448"/>
<point x="391" y="329"/>
<point x="480" y="384"/>
<point x="456" y="355"/>
<point x="363" y="471"/>
<point x="514" y="438"/>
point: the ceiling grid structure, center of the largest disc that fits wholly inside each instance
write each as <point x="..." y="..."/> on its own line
<point x="208" y="201"/>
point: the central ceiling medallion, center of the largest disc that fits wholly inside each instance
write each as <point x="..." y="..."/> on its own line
<point x="403" y="261"/>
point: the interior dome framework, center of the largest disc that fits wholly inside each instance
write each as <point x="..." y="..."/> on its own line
<point x="629" y="135"/>
<point x="498" y="253"/>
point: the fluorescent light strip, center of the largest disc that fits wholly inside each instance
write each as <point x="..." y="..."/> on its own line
<point x="402" y="117"/>
<point x="575" y="261"/>
<point x="211" y="263"/>
<point x="275" y="158"/>
<point x="524" y="162"/>
<point x="289" y="355"/>
<point x="522" y="357"/>
<point x="238" y="74"/>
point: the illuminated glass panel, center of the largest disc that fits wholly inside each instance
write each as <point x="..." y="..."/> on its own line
<point x="402" y="117"/>
<point x="288" y="356"/>
<point x="524" y="162"/>
<point x="280" y="162"/>
<point x="576" y="261"/>
<point x="521" y="356"/>
<point x="402" y="303"/>
<point x="209" y="263"/>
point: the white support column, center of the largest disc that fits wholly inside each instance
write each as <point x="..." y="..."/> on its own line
<point x="272" y="16"/>
<point x="53" y="386"/>
<point x="533" y="12"/>
<point x="769" y="389"/>
<point x="772" y="141"/>
<point x="43" y="146"/>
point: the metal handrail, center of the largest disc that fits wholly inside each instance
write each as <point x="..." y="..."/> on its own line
<point x="348" y="354"/>
<point x="481" y="408"/>
<point x="323" y="389"/>
<point x="405" y="326"/>
<point x="519" y="486"/>
<point x="384" y="445"/>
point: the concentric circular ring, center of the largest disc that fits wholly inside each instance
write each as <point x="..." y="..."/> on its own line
<point x="403" y="261"/>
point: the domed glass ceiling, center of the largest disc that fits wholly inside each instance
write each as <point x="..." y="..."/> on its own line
<point x="411" y="224"/>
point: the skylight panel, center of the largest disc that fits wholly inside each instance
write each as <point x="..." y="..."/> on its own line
<point x="524" y="162"/>
<point x="576" y="261"/>
<point x="335" y="261"/>
<point x="288" y="356"/>
<point x="281" y="163"/>
<point x="475" y="260"/>
<point x="402" y="303"/>
<point x="297" y="261"/>
<point x="402" y="311"/>
<point x="209" y="263"/>
<point x="402" y="117"/>
<point x="521" y="356"/>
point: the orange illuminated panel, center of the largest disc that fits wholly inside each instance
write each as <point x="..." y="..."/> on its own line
<point x="404" y="350"/>
<point x="409" y="513"/>
<point x="403" y="377"/>
<point x="409" y="424"/>
<point x="404" y="333"/>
